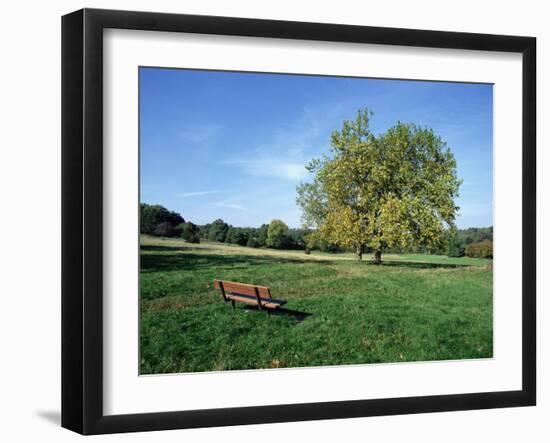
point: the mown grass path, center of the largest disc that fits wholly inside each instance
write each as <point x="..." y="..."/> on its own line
<point x="412" y="308"/>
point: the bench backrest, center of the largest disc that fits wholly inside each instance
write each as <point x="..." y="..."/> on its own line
<point x="231" y="287"/>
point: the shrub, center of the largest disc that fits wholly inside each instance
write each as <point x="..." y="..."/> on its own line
<point x="482" y="249"/>
<point x="204" y="230"/>
<point x="218" y="230"/>
<point x="190" y="232"/>
<point x="324" y="246"/>
<point x="262" y="235"/>
<point x="237" y="236"/>
<point x="297" y="238"/>
<point x="277" y="235"/>
<point x="455" y="248"/>
<point x="164" y="229"/>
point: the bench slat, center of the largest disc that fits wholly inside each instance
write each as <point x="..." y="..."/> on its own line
<point x="241" y="288"/>
<point x="246" y="293"/>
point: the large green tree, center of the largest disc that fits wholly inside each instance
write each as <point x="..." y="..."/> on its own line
<point x="396" y="189"/>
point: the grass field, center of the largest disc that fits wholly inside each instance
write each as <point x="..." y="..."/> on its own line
<point x="411" y="308"/>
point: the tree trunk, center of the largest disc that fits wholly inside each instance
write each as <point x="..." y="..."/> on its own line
<point x="359" y="252"/>
<point x="377" y="259"/>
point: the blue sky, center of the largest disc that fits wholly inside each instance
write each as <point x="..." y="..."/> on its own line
<point x="234" y="145"/>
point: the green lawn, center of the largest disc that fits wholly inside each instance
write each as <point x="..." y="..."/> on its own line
<point x="412" y="308"/>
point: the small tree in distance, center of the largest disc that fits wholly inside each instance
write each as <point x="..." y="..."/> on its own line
<point x="455" y="248"/>
<point x="262" y="235"/>
<point x="252" y="242"/>
<point x="236" y="235"/>
<point x="277" y="234"/>
<point x="190" y="232"/>
<point x="218" y="230"/>
<point x="164" y="229"/>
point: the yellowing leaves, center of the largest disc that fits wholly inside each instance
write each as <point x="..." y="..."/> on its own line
<point x="396" y="189"/>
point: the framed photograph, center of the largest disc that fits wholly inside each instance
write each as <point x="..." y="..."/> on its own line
<point x="269" y="221"/>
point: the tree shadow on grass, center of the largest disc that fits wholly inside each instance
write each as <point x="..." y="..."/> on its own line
<point x="200" y="260"/>
<point x="421" y="265"/>
<point x="194" y="261"/>
<point x="163" y="248"/>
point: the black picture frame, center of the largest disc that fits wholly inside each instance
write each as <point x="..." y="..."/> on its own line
<point x="82" y="215"/>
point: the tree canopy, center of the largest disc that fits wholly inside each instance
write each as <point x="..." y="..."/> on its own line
<point x="277" y="234"/>
<point x="189" y="232"/>
<point x="151" y="216"/>
<point x="164" y="229"/>
<point x="217" y="230"/>
<point x="482" y="249"/>
<point x="395" y="189"/>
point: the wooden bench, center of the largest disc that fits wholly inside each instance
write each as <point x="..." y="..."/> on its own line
<point x="259" y="296"/>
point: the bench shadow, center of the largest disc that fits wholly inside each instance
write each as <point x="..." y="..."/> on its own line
<point x="297" y="315"/>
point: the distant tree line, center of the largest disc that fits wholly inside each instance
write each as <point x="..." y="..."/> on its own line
<point x="482" y="249"/>
<point x="475" y="235"/>
<point x="158" y="221"/>
<point x="276" y="235"/>
<point x="157" y="217"/>
<point x="471" y="242"/>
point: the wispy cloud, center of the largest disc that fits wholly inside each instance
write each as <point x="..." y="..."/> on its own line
<point x="200" y="133"/>
<point x="229" y="205"/>
<point x="200" y="193"/>
<point x="288" y="149"/>
<point x="272" y="167"/>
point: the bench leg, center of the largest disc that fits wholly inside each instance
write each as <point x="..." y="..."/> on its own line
<point x="233" y="303"/>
